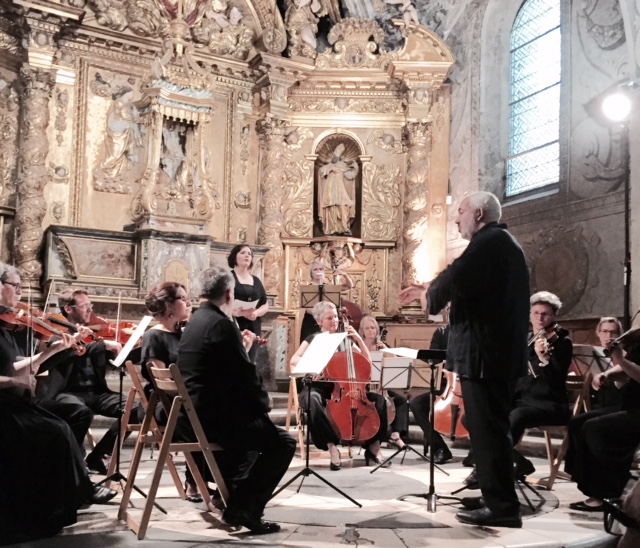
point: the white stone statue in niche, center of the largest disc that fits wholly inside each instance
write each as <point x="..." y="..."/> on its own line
<point x="301" y="20"/>
<point x="122" y="143"/>
<point x="336" y="193"/>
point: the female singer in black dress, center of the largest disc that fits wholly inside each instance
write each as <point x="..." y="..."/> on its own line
<point x="248" y="288"/>
<point x="322" y="432"/>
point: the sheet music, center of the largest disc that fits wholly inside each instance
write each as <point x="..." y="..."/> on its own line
<point x="135" y="337"/>
<point x="318" y="354"/>
<point x="244" y="305"/>
<point x="402" y="351"/>
<point x="376" y="365"/>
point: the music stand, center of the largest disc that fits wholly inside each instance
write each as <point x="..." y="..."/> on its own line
<point x="313" y="362"/>
<point x="310" y="295"/>
<point x="432" y="357"/>
<point x="402" y="373"/>
<point x="589" y="359"/>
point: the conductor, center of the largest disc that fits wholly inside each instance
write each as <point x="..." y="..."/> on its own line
<point x="488" y="286"/>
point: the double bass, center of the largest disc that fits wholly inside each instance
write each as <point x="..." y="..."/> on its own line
<point x="352" y="415"/>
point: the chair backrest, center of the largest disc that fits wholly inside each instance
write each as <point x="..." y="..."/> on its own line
<point x="138" y="381"/>
<point x="578" y="389"/>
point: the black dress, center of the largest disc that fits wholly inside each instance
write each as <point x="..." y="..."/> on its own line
<point x="43" y="480"/>
<point x="249" y="293"/>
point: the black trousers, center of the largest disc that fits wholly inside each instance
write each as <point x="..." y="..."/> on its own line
<point x="77" y="416"/>
<point x="107" y="404"/>
<point x="487" y="403"/>
<point x="420" y="406"/>
<point x="601" y="448"/>
<point x="524" y="416"/>
<point x="320" y="428"/>
<point x="400" y="423"/>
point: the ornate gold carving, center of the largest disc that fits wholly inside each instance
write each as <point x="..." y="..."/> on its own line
<point x="301" y="20"/>
<point x="385" y="141"/>
<point x="241" y="238"/>
<point x="9" y="43"/>
<point x="345" y="104"/>
<point x="242" y="200"/>
<point x="37" y="86"/>
<point x="352" y="48"/>
<point x="374" y="285"/>
<point x="418" y="136"/>
<point x="297" y="205"/>
<point x="437" y="210"/>
<point x="222" y="30"/>
<point x="62" y="103"/>
<point x="9" y="111"/>
<point x="272" y="134"/>
<point x="59" y="174"/>
<point x="57" y="211"/>
<point x="244" y="147"/>
<point x="381" y="197"/>
<point x="65" y="257"/>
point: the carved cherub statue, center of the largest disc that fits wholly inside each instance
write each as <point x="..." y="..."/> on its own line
<point x="301" y="20"/>
<point x="409" y="12"/>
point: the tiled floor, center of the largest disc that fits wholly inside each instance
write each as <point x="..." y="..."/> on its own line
<point x="319" y="517"/>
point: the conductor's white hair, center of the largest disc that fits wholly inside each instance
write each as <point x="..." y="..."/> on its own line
<point x="488" y="203"/>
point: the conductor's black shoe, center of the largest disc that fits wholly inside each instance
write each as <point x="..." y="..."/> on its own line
<point x="442" y="455"/>
<point x="96" y="465"/>
<point x="245" y="519"/>
<point x="472" y="503"/>
<point x="469" y="461"/>
<point x="101" y="495"/>
<point x="487" y="518"/>
<point x="471" y="481"/>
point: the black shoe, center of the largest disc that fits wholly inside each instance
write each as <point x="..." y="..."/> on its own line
<point x="254" y="524"/>
<point x="487" y="518"/>
<point x="584" y="507"/>
<point x="469" y="461"/>
<point x="369" y="456"/>
<point x="96" y="465"/>
<point x="471" y="481"/>
<point x="523" y="467"/>
<point x="101" y="495"/>
<point x="472" y="503"/>
<point x="442" y="455"/>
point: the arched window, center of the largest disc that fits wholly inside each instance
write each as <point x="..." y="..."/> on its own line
<point x="534" y="120"/>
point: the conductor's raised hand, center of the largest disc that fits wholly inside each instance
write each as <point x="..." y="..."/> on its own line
<point x="411" y="293"/>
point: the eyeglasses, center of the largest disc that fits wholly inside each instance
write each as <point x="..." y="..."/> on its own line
<point x="83" y="306"/>
<point x="16" y="285"/>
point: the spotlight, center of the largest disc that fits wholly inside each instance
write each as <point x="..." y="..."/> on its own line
<point x="617" y="106"/>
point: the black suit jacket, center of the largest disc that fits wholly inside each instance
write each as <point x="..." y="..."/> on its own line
<point x="488" y="287"/>
<point x="225" y="388"/>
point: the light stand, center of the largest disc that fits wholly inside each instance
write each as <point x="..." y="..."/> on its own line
<point x="307" y="471"/>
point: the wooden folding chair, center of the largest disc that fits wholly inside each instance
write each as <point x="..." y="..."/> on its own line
<point x="171" y="391"/>
<point x="578" y="387"/>
<point x="137" y="393"/>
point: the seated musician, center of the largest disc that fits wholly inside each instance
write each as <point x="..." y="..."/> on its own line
<point x="541" y="397"/>
<point x="370" y="333"/>
<point x="317" y="277"/>
<point x="322" y="432"/>
<point x="232" y="403"/>
<point x="169" y="304"/>
<point x="420" y="406"/>
<point x="602" y="443"/>
<point x="44" y="480"/>
<point x="81" y="380"/>
<point x="608" y="329"/>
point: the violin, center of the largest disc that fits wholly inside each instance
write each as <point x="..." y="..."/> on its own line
<point x="627" y="340"/>
<point x="105" y="330"/>
<point x="25" y="317"/>
<point x="352" y="415"/>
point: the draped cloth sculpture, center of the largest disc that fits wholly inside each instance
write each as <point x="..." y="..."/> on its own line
<point x="336" y="193"/>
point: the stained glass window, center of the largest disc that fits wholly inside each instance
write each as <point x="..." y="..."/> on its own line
<point x="534" y="121"/>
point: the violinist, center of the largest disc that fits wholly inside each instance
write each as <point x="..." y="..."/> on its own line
<point x="81" y="379"/>
<point x="602" y="443"/>
<point x="43" y="480"/>
<point x="370" y="333"/>
<point x="606" y="395"/>
<point x="322" y="431"/>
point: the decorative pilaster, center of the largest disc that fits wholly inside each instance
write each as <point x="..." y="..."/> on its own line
<point x="36" y="87"/>
<point x="274" y="154"/>
<point x="418" y="139"/>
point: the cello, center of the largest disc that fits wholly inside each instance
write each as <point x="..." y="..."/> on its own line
<point x="448" y="409"/>
<point x="352" y="415"/>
